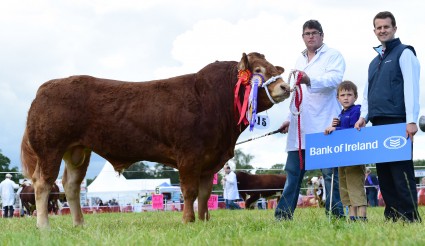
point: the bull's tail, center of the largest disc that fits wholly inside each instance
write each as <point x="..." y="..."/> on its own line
<point x="28" y="156"/>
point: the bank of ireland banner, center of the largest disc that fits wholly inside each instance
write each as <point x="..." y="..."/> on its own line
<point x="352" y="147"/>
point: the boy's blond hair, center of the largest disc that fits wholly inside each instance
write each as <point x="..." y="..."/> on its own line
<point x="347" y="86"/>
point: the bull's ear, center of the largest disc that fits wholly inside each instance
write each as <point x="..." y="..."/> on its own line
<point x="243" y="64"/>
<point x="280" y="69"/>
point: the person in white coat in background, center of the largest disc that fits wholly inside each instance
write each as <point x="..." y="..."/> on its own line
<point x="231" y="192"/>
<point x="8" y="195"/>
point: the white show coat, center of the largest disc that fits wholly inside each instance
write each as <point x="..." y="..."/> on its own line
<point x="231" y="187"/>
<point x="319" y="104"/>
<point x="7" y="192"/>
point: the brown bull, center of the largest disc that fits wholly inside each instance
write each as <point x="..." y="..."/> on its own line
<point x="259" y="185"/>
<point x="186" y="122"/>
<point x="27" y="197"/>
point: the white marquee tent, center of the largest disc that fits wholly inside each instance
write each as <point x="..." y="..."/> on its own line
<point x="109" y="185"/>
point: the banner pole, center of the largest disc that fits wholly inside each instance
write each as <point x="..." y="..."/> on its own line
<point x="330" y="198"/>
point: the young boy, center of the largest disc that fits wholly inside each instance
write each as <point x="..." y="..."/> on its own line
<point x="351" y="178"/>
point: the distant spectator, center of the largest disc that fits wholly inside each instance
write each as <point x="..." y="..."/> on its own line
<point x="99" y="203"/>
<point x="318" y="190"/>
<point x="372" y="186"/>
<point x="310" y="188"/>
<point x="8" y="195"/>
<point x="231" y="192"/>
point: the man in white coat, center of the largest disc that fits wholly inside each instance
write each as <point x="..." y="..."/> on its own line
<point x="231" y="192"/>
<point x="8" y="195"/>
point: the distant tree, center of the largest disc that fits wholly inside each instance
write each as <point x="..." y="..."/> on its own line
<point x="419" y="162"/>
<point x="242" y="160"/>
<point x="162" y="171"/>
<point x="89" y="181"/>
<point x="275" y="169"/>
<point x="218" y="187"/>
<point x="4" y="162"/>
<point x="139" y="170"/>
<point x="4" y="167"/>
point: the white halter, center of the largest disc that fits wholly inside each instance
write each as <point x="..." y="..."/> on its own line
<point x="269" y="81"/>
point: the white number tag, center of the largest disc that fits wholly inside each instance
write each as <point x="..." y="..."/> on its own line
<point x="262" y="122"/>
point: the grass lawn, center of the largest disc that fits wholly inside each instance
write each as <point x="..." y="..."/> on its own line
<point x="235" y="227"/>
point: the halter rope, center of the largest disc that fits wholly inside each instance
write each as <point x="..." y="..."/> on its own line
<point x="297" y="98"/>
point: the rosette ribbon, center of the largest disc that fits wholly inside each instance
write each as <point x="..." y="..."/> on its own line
<point x="256" y="81"/>
<point x="240" y="110"/>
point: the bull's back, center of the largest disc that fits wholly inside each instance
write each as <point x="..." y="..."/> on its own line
<point x="143" y="118"/>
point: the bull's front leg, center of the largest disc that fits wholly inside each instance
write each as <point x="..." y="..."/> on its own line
<point x="189" y="183"/>
<point x="205" y="188"/>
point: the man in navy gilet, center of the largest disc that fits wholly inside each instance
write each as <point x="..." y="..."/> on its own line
<point x="392" y="96"/>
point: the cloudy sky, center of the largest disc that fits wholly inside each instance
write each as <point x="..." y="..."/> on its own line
<point x="145" y="40"/>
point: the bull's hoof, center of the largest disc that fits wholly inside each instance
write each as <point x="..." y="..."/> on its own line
<point x="188" y="219"/>
<point x="204" y="217"/>
<point x="78" y="223"/>
<point x="44" y="226"/>
<point x="422" y="123"/>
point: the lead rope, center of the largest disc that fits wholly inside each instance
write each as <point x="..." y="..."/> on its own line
<point x="297" y="98"/>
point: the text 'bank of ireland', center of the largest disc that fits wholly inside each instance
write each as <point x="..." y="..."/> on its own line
<point x="376" y="144"/>
<point x="344" y="147"/>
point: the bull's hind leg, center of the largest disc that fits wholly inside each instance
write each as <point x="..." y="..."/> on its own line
<point x="44" y="176"/>
<point x="77" y="160"/>
<point x="205" y="188"/>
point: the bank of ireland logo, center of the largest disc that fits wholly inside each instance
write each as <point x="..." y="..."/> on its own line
<point x="395" y="142"/>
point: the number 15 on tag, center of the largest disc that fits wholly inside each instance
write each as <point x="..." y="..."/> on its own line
<point x="262" y="122"/>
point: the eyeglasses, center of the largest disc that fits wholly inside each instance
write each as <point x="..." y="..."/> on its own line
<point x="309" y="34"/>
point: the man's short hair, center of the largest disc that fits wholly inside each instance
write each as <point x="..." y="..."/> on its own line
<point x="384" y="15"/>
<point x="313" y="24"/>
<point x="9" y="175"/>
<point x="347" y="85"/>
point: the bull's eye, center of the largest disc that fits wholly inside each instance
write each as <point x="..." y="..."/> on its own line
<point x="257" y="70"/>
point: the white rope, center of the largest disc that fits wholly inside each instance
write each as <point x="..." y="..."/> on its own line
<point x="295" y="88"/>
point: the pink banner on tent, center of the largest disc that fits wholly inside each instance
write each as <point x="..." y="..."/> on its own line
<point x="157" y="201"/>
<point x="215" y="179"/>
<point x="213" y="202"/>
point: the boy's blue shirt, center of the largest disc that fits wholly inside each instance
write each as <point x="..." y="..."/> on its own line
<point x="349" y="117"/>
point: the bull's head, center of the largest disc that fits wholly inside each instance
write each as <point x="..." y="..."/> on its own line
<point x="276" y="88"/>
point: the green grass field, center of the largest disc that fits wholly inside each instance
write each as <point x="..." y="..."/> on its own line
<point x="226" y="227"/>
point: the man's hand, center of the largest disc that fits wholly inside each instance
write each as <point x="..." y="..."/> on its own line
<point x="411" y="130"/>
<point x="360" y="123"/>
<point x="284" y="127"/>
<point x="305" y="79"/>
